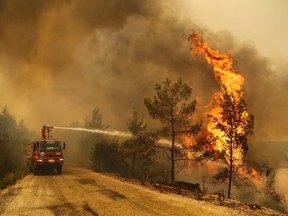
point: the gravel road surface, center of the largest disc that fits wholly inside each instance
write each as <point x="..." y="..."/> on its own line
<point x="80" y="191"/>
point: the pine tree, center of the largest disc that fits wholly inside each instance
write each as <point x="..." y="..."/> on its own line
<point x="172" y="107"/>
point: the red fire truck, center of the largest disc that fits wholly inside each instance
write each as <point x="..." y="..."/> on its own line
<point x="45" y="153"/>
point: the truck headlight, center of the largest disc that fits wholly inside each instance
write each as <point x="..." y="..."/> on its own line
<point x="40" y="160"/>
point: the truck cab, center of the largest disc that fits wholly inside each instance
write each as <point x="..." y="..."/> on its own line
<point x="45" y="154"/>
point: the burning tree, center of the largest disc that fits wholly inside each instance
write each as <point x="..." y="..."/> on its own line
<point x="230" y="124"/>
<point x="234" y="127"/>
<point x="171" y="108"/>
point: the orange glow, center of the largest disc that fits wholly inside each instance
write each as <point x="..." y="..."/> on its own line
<point x="223" y="69"/>
<point x="228" y="78"/>
<point x="189" y="141"/>
<point x="255" y="174"/>
<point x="255" y="178"/>
<point x="231" y="81"/>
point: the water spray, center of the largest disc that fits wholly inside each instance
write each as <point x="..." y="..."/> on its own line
<point x="111" y="133"/>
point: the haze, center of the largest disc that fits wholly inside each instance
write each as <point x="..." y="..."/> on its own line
<point x="260" y="23"/>
<point x="59" y="60"/>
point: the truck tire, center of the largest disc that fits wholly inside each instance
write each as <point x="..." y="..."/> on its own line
<point x="29" y="166"/>
<point x="35" y="171"/>
<point x="59" y="169"/>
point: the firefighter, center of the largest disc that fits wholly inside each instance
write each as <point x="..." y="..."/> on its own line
<point x="44" y="132"/>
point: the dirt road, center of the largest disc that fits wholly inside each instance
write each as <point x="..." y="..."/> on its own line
<point x="79" y="191"/>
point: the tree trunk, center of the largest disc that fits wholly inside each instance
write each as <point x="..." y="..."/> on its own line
<point x="133" y="166"/>
<point x="172" y="152"/>
<point x="172" y="163"/>
<point x="230" y="170"/>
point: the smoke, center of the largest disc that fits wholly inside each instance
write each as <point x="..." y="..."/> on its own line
<point x="75" y="55"/>
<point x="281" y="176"/>
<point x="60" y="59"/>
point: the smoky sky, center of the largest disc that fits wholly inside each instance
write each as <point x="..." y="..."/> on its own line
<point x="61" y="59"/>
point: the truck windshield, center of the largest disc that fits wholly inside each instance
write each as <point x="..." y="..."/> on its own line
<point x="50" y="146"/>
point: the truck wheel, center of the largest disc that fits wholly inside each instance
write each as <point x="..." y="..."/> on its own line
<point x="29" y="167"/>
<point x="35" y="170"/>
<point x="59" y="169"/>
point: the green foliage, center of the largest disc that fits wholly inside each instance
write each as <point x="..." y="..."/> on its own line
<point x="135" y="122"/>
<point x="140" y="152"/>
<point x="96" y="120"/>
<point x="13" y="138"/>
<point x="106" y="158"/>
<point x="87" y="140"/>
<point x="11" y="178"/>
<point x="172" y="107"/>
<point x="140" y="149"/>
<point x="102" y="150"/>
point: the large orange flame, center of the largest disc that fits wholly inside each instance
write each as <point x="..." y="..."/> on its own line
<point x="223" y="69"/>
<point x="231" y="81"/>
<point x="228" y="78"/>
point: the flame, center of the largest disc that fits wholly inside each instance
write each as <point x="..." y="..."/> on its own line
<point x="254" y="177"/>
<point x="255" y="174"/>
<point x="223" y="69"/>
<point x="229" y="79"/>
<point x="189" y="140"/>
<point x="232" y="81"/>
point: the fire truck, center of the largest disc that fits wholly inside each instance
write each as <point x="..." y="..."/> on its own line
<point x="45" y="154"/>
